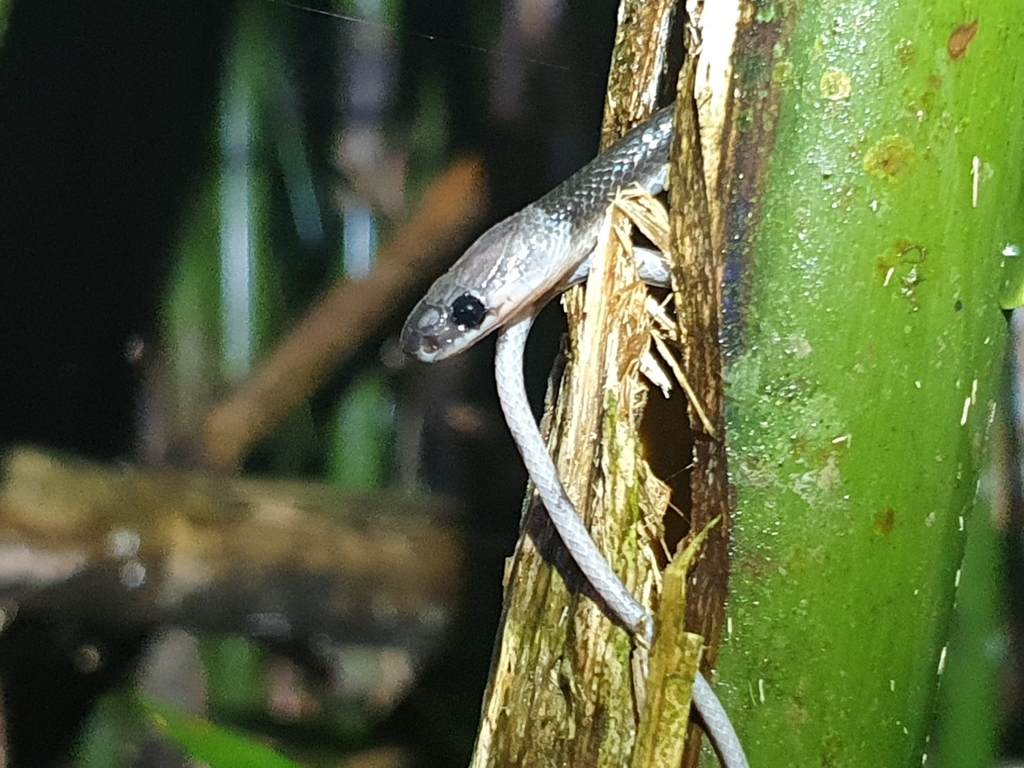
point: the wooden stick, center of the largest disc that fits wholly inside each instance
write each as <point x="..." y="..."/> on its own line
<point x="350" y="314"/>
<point x="274" y="559"/>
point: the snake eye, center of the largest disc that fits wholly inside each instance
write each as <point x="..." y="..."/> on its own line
<point x="468" y="311"/>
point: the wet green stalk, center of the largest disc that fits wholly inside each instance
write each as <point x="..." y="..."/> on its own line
<point x="881" y="158"/>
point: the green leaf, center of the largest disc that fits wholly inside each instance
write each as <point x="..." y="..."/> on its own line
<point x="215" y="745"/>
<point x="361" y="448"/>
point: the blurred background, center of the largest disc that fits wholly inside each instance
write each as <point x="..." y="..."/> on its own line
<point x="214" y="218"/>
<point x="182" y="183"/>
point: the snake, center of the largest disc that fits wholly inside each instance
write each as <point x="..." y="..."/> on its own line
<point x="498" y="285"/>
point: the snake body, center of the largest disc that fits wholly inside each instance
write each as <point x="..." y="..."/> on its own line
<point x="500" y="283"/>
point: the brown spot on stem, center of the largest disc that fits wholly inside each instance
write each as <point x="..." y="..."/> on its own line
<point x="836" y="85"/>
<point x="902" y="252"/>
<point x="961" y="39"/>
<point x="903" y="265"/>
<point x="889" y="158"/>
<point x="885" y="522"/>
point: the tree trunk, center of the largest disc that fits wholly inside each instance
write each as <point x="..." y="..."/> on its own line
<point x="860" y="220"/>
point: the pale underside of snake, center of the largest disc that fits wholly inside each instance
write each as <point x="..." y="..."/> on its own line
<point x="499" y="284"/>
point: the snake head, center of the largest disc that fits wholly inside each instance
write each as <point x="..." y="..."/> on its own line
<point x="507" y="270"/>
<point x="438" y="328"/>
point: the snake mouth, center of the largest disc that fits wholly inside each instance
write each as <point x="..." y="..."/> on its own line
<point x="420" y="337"/>
<point x="424" y="346"/>
<point x="415" y="343"/>
<point x="429" y="335"/>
